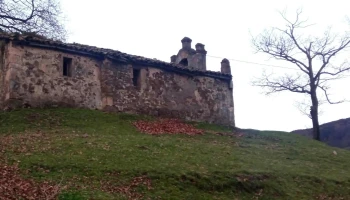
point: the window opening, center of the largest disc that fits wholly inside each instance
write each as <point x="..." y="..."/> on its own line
<point x="67" y="65"/>
<point x="136" y="77"/>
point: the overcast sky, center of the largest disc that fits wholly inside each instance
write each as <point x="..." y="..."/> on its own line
<point x="154" y="28"/>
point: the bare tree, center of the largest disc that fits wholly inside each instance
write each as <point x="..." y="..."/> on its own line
<point x="311" y="57"/>
<point x="41" y="17"/>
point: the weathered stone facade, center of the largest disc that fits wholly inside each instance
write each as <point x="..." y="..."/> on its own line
<point x="164" y="93"/>
<point x="42" y="72"/>
<point x="2" y="72"/>
<point x="34" y="76"/>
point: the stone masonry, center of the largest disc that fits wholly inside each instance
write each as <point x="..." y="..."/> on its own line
<point x="38" y="72"/>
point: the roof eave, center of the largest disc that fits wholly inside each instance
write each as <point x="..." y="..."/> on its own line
<point x="160" y="65"/>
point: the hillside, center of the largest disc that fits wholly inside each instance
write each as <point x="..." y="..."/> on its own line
<point x="83" y="154"/>
<point x="336" y="133"/>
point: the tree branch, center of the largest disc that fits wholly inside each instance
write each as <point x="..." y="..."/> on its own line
<point x="278" y="48"/>
<point x="32" y="16"/>
<point x="324" y="88"/>
<point x="286" y="83"/>
<point x="331" y="53"/>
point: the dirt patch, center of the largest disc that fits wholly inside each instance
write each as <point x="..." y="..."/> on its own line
<point x="167" y="126"/>
<point x="250" y="178"/>
<point x="13" y="186"/>
<point x="229" y="134"/>
<point x="327" y="197"/>
<point x="44" y="119"/>
<point x="129" y="190"/>
<point x="25" y="142"/>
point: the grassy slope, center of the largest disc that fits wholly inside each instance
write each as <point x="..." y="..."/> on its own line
<point x="88" y="149"/>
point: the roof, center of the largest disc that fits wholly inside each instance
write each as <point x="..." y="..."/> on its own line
<point x="40" y="42"/>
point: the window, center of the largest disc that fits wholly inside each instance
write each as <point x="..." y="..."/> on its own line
<point x="136" y="77"/>
<point x="184" y="62"/>
<point x="67" y="65"/>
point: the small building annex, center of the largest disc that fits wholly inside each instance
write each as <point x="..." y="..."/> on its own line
<point x="41" y="72"/>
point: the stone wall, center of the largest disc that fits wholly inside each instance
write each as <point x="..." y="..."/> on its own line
<point x="2" y="71"/>
<point x="168" y="94"/>
<point x="35" y="76"/>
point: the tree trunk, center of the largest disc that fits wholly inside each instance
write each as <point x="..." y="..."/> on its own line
<point x="314" y="116"/>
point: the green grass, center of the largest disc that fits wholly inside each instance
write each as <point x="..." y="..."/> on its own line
<point x="87" y="150"/>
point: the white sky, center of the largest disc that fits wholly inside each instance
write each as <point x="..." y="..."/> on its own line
<point x="154" y="28"/>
